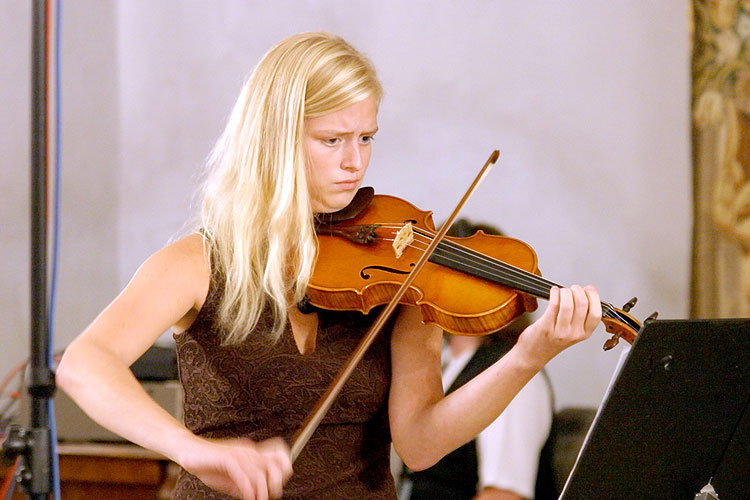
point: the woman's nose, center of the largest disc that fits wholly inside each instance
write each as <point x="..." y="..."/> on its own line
<point x="352" y="159"/>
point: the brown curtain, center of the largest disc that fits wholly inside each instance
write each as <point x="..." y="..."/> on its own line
<point x="721" y="158"/>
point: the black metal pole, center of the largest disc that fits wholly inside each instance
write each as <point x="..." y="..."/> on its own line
<point x="42" y="382"/>
<point x="32" y="446"/>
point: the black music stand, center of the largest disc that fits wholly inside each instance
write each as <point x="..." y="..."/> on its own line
<point x="675" y="417"/>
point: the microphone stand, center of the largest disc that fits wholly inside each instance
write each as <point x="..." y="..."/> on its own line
<point x="32" y="446"/>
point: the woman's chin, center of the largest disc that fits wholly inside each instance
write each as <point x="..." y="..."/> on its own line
<point x="333" y="203"/>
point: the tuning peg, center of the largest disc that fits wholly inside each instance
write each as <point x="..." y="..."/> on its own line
<point x="627" y="307"/>
<point x="653" y="316"/>
<point x="611" y="342"/>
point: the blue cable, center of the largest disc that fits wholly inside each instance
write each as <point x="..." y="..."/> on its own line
<point x="55" y="255"/>
<point x="56" y="192"/>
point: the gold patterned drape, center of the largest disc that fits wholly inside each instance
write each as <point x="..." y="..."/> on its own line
<point x="721" y="158"/>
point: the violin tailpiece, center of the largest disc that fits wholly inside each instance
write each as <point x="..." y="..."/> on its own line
<point x="361" y="234"/>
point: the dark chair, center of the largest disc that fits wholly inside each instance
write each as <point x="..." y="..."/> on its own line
<point x="569" y="428"/>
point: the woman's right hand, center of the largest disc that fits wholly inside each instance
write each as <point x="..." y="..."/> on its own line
<point x="240" y="467"/>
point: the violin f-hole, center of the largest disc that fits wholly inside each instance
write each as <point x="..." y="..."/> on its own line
<point x="366" y="276"/>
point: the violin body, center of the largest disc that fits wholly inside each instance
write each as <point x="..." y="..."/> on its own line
<point x="358" y="268"/>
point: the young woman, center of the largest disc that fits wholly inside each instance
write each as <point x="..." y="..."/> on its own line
<point x="297" y="144"/>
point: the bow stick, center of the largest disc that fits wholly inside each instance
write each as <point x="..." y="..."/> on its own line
<point x="313" y="419"/>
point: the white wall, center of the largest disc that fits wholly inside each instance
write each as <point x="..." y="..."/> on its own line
<point x="87" y="279"/>
<point x="14" y="181"/>
<point x="588" y="102"/>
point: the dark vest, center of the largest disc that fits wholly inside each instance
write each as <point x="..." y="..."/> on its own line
<point x="260" y="389"/>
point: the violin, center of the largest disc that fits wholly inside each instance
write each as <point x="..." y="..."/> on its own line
<point x="372" y="252"/>
<point x="469" y="286"/>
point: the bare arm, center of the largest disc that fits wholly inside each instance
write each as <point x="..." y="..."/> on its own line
<point x="495" y="494"/>
<point x="166" y="292"/>
<point x="426" y="425"/>
<point x="95" y="367"/>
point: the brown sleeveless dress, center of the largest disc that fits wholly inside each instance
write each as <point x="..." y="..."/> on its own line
<point x="260" y="389"/>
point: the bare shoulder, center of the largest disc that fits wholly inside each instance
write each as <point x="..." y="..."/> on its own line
<point x="177" y="275"/>
<point x="165" y="293"/>
<point x="179" y="269"/>
<point x="188" y="251"/>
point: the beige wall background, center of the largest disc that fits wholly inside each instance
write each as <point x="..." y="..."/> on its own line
<point x="587" y="101"/>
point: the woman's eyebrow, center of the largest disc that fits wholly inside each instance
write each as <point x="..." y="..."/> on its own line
<point x="334" y="131"/>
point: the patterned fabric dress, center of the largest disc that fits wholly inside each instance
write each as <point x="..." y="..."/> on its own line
<point x="259" y="390"/>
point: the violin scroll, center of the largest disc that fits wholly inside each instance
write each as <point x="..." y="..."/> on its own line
<point x="621" y="324"/>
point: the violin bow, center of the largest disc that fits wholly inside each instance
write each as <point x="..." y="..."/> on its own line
<point x="313" y="419"/>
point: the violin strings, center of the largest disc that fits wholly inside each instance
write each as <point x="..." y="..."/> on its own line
<point x="477" y="261"/>
<point x="534" y="282"/>
<point x="512" y="275"/>
<point x="523" y="277"/>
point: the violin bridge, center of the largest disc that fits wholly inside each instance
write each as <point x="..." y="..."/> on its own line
<point x="403" y="239"/>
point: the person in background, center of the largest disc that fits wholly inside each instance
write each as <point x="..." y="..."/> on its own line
<point x="502" y="462"/>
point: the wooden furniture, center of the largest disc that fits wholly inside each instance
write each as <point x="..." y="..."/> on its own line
<point x="93" y="471"/>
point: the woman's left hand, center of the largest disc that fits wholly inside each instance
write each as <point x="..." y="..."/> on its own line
<point x="571" y="316"/>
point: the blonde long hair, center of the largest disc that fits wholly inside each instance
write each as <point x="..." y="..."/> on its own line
<point x="255" y="211"/>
